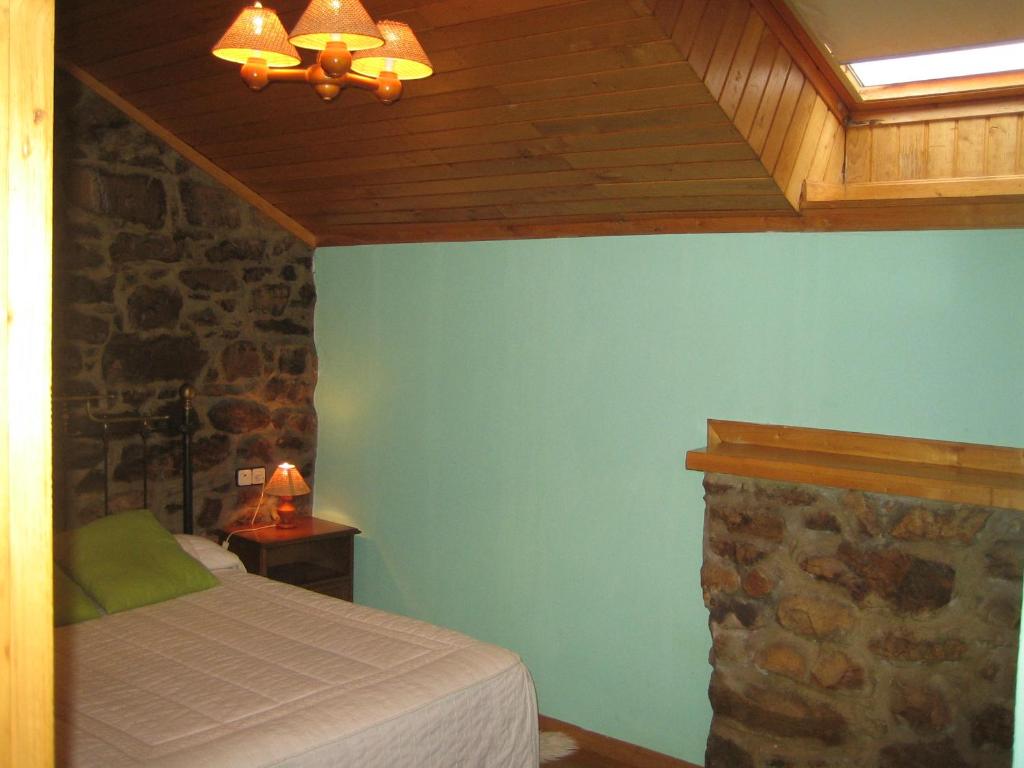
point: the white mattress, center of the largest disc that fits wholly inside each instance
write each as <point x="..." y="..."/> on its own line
<point x="256" y="673"/>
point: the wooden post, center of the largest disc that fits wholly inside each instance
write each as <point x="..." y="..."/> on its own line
<point x="26" y="173"/>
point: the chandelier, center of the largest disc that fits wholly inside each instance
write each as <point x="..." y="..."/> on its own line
<point x="352" y="50"/>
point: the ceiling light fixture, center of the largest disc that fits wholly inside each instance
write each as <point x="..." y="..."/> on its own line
<point x="353" y="50"/>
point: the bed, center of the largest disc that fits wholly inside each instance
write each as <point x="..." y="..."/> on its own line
<point x="243" y="671"/>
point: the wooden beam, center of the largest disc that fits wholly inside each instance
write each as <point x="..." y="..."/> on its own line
<point x="978" y="189"/>
<point x="190" y="154"/>
<point x="26" y="221"/>
<point x="960" y="473"/>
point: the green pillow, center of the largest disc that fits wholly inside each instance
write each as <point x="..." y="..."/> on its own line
<point x="70" y="604"/>
<point x="127" y="560"/>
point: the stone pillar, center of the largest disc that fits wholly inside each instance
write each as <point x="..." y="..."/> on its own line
<point x="162" y="277"/>
<point x="859" y="630"/>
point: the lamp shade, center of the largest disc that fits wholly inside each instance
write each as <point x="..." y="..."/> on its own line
<point x="326" y="21"/>
<point x="257" y="34"/>
<point x="401" y="54"/>
<point x="286" y="481"/>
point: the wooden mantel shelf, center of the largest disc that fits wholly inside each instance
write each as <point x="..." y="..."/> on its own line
<point x="962" y="473"/>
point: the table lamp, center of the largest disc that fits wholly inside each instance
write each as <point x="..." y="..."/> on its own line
<point x="286" y="483"/>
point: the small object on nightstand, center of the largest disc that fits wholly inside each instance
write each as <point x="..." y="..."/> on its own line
<point x="314" y="554"/>
<point x="287" y="483"/>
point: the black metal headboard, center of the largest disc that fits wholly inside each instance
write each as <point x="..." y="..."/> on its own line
<point x="145" y="427"/>
<point x="187" y="393"/>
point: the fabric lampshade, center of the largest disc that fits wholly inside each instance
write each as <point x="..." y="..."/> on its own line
<point x="326" y="21"/>
<point x="401" y="54"/>
<point x="286" y="481"/>
<point x="257" y="33"/>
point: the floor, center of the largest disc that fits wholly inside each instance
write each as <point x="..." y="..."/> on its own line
<point x="583" y="759"/>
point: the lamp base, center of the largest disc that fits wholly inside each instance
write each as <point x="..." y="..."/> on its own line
<point x="285" y="513"/>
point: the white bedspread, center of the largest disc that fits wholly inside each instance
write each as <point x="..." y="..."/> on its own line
<point x="256" y="673"/>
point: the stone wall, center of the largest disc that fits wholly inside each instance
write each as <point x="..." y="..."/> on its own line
<point x="161" y="277"/>
<point x="854" y="630"/>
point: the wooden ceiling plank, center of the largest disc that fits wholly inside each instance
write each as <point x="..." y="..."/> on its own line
<point x="687" y="25"/>
<point x="970" y="147"/>
<point x="496" y="174"/>
<point x="687" y="100"/>
<point x="580" y="151"/>
<point x="885" y="153"/>
<point x="792" y="185"/>
<point x="726" y="46"/>
<point x="421" y="145"/>
<point x="858" y="154"/>
<point x="1001" y="145"/>
<point x="769" y="103"/>
<point x="446" y="14"/>
<point x="913" y="155"/>
<point x="707" y="34"/>
<point x="682" y="153"/>
<point x="757" y="83"/>
<point x="314" y="202"/>
<point x="821" y="167"/>
<point x="742" y="67"/>
<point x="782" y="169"/>
<point x="613" y="81"/>
<point x="683" y="117"/>
<point x="563" y="18"/>
<point x="835" y="172"/>
<point x="941" y="148"/>
<point x="666" y="13"/>
<point x="781" y="118"/>
<point x="548" y="44"/>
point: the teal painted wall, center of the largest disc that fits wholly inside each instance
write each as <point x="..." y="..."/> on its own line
<point x="507" y="423"/>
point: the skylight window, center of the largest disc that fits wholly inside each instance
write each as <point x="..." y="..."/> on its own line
<point x="966" y="62"/>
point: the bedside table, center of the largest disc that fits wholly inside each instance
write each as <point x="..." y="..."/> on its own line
<point x="315" y="554"/>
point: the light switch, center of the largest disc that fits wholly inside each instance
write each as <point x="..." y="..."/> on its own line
<point x="244" y="477"/>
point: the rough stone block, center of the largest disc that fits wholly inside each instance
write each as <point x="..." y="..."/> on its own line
<point x="723" y="753"/>
<point x="718" y="578"/>
<point x="993" y="725"/>
<point x="236" y="416"/>
<point x="756" y="523"/>
<point x="834" y="669"/>
<point x="757" y="584"/>
<point x="154" y="307"/>
<point x="782" y="659"/>
<point x="134" y="359"/>
<point x="899" y="646"/>
<point x="938" y="754"/>
<point x="209" y="207"/>
<point x="814" y="617"/>
<point x="128" y="247"/>
<point x="957" y="524"/>
<point x="769" y="712"/>
<point x="241" y="360"/>
<point x="131" y="197"/>
<point x="920" y="706"/>
<point x="209" y="279"/>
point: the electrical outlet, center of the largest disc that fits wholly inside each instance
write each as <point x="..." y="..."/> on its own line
<point x="259" y="475"/>
<point x="244" y="477"/>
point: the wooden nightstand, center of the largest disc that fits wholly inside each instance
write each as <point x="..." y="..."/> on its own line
<point x="315" y="554"/>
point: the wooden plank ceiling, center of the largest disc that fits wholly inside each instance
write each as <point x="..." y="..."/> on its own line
<point x="544" y="117"/>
